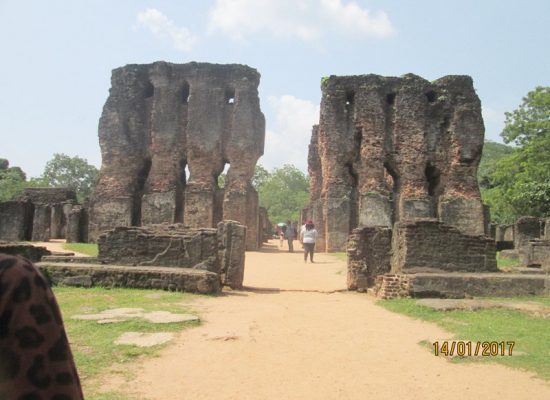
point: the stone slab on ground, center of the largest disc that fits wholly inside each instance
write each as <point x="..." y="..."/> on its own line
<point x="141" y="339"/>
<point x="530" y="307"/>
<point x="71" y="259"/>
<point x="461" y="285"/>
<point x="152" y="277"/>
<point x="124" y="314"/>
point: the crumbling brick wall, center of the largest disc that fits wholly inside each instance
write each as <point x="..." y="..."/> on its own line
<point x="16" y="220"/>
<point x="369" y="254"/>
<point x="394" y="149"/>
<point x="220" y="250"/>
<point x="162" y="118"/>
<point x="59" y="202"/>
<point x="431" y="246"/>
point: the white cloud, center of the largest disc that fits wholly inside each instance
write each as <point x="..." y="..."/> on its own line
<point x="307" y="20"/>
<point x="288" y="138"/>
<point x="494" y="123"/>
<point x="160" y="25"/>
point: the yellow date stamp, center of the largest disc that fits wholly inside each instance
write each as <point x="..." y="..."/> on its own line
<point x="464" y="348"/>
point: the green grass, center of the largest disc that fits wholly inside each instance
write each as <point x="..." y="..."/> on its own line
<point x="93" y="344"/>
<point x="89" y="249"/>
<point x="530" y="334"/>
<point x="505" y="263"/>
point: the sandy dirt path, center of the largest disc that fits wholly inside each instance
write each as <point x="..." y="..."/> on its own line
<point x="56" y="245"/>
<point x="293" y="335"/>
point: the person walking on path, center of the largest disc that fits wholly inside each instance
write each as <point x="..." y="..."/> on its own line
<point x="290" y="235"/>
<point x="308" y="237"/>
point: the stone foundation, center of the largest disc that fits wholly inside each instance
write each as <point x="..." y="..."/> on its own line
<point x="221" y="250"/>
<point x="173" y="279"/>
<point x="461" y="285"/>
<point x="33" y="253"/>
<point x="166" y="133"/>
<point x="369" y="254"/>
<point x="535" y="253"/>
<point x="431" y="246"/>
<point x="16" y="220"/>
<point x="390" y="149"/>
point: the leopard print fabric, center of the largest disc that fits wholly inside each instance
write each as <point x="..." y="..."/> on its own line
<point x="36" y="362"/>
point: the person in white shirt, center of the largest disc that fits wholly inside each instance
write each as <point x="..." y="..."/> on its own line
<point x="308" y="236"/>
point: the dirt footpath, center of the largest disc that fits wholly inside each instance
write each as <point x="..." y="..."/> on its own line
<point x="293" y="335"/>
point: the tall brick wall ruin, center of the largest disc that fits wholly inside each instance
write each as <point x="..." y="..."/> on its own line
<point x="393" y="149"/>
<point x="162" y="118"/>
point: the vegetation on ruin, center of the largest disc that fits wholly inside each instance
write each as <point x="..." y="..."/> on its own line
<point x="93" y="344"/>
<point x="284" y="192"/>
<point x="530" y="351"/>
<point x="89" y="249"/>
<point x="13" y="180"/>
<point x="71" y="172"/>
<point x="61" y="171"/>
<point x="518" y="183"/>
<point x="506" y="263"/>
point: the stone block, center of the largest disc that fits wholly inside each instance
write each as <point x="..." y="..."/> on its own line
<point x="431" y="246"/>
<point x="368" y="254"/>
<point x="231" y="253"/>
<point x="160" y="245"/>
<point x="16" y="220"/>
<point x="28" y="251"/>
<point x="41" y="223"/>
<point x="173" y="279"/>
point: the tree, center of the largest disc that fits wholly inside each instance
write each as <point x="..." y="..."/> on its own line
<point x="492" y="153"/>
<point x="13" y="180"/>
<point x="284" y="193"/>
<point x="72" y="172"/>
<point x="531" y="121"/>
<point x="520" y="182"/>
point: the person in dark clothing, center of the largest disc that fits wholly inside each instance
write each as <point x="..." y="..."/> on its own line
<point x="35" y="358"/>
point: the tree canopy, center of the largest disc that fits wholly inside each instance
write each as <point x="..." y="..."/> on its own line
<point x="13" y="180"/>
<point x="72" y="172"/>
<point x="518" y="183"/>
<point x="284" y="192"/>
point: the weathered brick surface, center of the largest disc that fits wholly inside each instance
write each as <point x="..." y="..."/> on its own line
<point x="76" y="227"/>
<point x="162" y="117"/>
<point x="393" y="149"/>
<point x="431" y="246"/>
<point x="160" y="246"/>
<point x="369" y="254"/>
<point x="33" y="253"/>
<point x="461" y="285"/>
<point x="504" y="237"/>
<point x="231" y="244"/>
<point x="173" y="279"/>
<point x="221" y="250"/>
<point x="391" y="286"/>
<point x="49" y="195"/>
<point x="16" y="220"/>
<point x="526" y="229"/>
<point x="535" y="253"/>
<point x="41" y="223"/>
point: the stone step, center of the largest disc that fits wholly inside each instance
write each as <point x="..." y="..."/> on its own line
<point x="150" y="277"/>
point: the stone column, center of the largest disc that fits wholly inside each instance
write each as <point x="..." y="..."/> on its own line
<point x="164" y="186"/>
<point x="41" y="223"/>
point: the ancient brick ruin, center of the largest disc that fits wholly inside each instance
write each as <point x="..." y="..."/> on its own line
<point x="42" y="214"/>
<point x="393" y="162"/>
<point x="221" y="250"/>
<point x="162" y="256"/>
<point x="161" y="119"/>
<point x="395" y="149"/>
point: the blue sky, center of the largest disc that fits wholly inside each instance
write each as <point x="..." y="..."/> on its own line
<point x="57" y="58"/>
